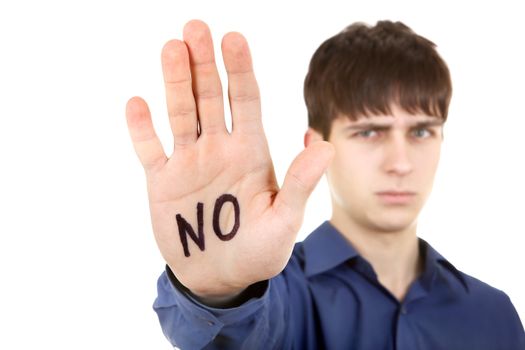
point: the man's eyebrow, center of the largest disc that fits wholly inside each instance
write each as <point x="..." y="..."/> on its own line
<point x="429" y="123"/>
<point x="385" y="126"/>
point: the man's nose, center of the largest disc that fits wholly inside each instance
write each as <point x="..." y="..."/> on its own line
<point x="397" y="156"/>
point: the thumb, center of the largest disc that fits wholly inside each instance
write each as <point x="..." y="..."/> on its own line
<point x="302" y="177"/>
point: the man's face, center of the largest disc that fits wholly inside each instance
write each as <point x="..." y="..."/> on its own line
<point x="398" y="153"/>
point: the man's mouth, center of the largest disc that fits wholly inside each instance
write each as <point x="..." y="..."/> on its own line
<point x="396" y="197"/>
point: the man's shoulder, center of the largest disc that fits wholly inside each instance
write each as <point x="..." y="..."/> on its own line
<point x="484" y="292"/>
<point x="487" y="299"/>
<point x="479" y="287"/>
<point x="463" y="284"/>
<point x="493" y="307"/>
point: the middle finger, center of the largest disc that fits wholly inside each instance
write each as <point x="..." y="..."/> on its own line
<point x="207" y="86"/>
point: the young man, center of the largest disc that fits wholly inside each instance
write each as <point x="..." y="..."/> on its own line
<point x="377" y="100"/>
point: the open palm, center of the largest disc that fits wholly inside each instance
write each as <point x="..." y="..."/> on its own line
<point x="219" y="217"/>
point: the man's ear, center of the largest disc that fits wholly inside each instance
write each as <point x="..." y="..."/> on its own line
<point x="311" y="136"/>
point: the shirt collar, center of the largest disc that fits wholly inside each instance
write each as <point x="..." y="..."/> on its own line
<point x="433" y="261"/>
<point x="326" y="248"/>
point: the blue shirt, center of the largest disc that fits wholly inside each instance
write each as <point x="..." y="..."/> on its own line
<point x="329" y="297"/>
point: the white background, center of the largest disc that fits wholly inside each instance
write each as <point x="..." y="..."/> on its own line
<point x="78" y="262"/>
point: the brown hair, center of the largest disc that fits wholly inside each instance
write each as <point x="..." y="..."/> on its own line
<point x="363" y="70"/>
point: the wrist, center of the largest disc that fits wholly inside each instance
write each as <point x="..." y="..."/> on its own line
<point x="221" y="300"/>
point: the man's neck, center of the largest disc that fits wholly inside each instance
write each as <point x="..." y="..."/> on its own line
<point x="393" y="255"/>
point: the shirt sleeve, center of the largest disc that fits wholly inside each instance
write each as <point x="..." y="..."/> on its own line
<point x="188" y="324"/>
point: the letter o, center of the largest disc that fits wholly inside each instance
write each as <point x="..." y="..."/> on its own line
<point x="217" y="212"/>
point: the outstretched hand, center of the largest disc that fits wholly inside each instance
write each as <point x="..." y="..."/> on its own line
<point x="219" y="217"/>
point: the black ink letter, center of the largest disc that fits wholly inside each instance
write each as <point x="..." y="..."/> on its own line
<point x="217" y="212"/>
<point x="185" y="228"/>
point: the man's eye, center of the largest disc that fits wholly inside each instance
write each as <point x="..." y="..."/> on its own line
<point x="422" y="133"/>
<point x="366" y="133"/>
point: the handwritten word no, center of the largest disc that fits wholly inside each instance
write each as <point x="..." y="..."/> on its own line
<point x="185" y="229"/>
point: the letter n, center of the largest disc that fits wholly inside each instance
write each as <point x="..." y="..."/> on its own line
<point x="186" y="229"/>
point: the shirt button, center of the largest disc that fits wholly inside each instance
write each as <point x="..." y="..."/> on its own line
<point x="211" y="323"/>
<point x="404" y="310"/>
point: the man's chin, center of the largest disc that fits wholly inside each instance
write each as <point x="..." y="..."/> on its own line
<point x="392" y="223"/>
